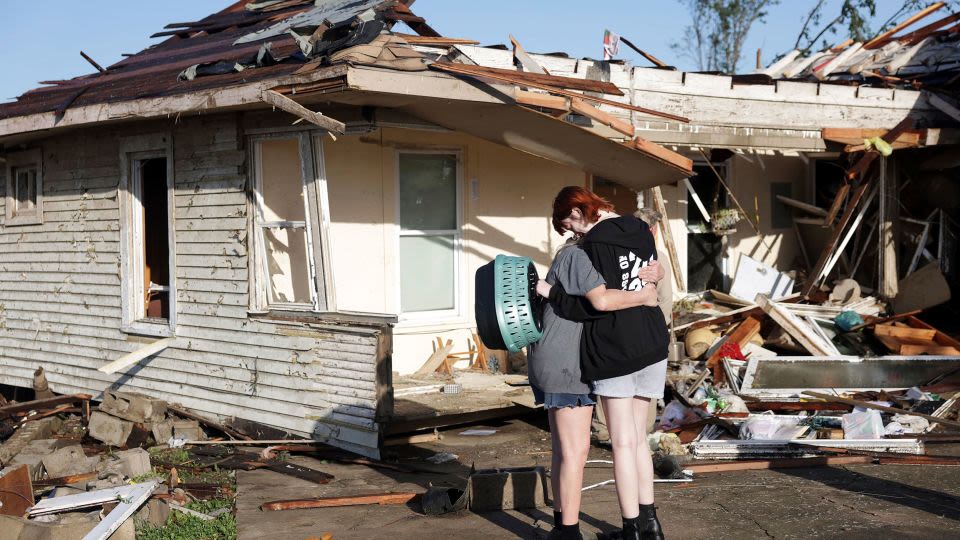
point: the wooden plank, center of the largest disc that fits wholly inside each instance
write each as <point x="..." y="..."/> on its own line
<point x="528" y="63"/>
<point x="433" y="40"/>
<point x="284" y="103"/>
<point x="756" y="465"/>
<point x="667" y="236"/>
<point x="529" y="79"/>
<point x="546" y="101"/>
<point x="904" y="332"/>
<point x="331" y="502"/>
<point x="436" y="359"/>
<point x="875" y="42"/>
<point x="663" y="154"/>
<point x="41" y="404"/>
<point x="741" y="335"/>
<point x="944" y="106"/>
<point x="651" y="58"/>
<point x="137" y="355"/>
<point x="509" y="76"/>
<point x="580" y="106"/>
<point x="911" y="349"/>
<point x="884" y="408"/>
<point x="795" y="327"/>
<point x="921" y="33"/>
<point x="808" y="208"/>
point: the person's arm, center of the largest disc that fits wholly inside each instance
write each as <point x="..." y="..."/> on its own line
<point x="599" y="298"/>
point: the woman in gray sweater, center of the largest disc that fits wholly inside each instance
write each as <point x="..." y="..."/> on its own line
<point x="554" y="369"/>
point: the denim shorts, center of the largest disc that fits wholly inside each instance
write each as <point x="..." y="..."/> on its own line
<point x="557" y="400"/>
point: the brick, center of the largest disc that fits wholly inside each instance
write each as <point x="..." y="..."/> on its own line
<point x="109" y="429"/>
<point x="133" y="407"/>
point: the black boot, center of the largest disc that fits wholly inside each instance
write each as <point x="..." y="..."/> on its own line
<point x="649" y="524"/>
<point x="630" y="531"/>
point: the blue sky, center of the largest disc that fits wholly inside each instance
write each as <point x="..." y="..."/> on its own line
<point x="42" y="38"/>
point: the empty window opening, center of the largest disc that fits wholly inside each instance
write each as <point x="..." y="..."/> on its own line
<point x="152" y="180"/>
<point x="25" y="190"/>
<point x="285" y="240"/>
<point x="24" y="197"/>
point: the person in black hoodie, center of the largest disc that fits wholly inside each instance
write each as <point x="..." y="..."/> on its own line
<point x="622" y="353"/>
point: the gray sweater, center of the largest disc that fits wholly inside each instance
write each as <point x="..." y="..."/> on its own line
<point x="554" y="361"/>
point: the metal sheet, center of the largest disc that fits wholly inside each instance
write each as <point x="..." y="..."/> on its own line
<point x="791" y="376"/>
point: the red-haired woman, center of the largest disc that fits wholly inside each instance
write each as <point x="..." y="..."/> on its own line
<point x="622" y="353"/>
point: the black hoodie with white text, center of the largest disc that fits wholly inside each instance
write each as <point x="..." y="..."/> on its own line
<point x="621" y="342"/>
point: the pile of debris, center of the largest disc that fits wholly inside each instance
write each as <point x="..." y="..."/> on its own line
<point x="120" y="469"/>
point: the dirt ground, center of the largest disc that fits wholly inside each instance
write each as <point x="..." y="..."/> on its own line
<point x="861" y="501"/>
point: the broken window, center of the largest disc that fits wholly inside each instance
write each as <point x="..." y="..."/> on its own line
<point x="146" y="226"/>
<point x="285" y="240"/>
<point x="24" y="189"/>
<point x="429" y="231"/>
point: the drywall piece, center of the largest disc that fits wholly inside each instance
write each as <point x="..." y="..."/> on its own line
<point x="753" y="278"/>
<point x="790" y="376"/>
<point x="132" y="358"/>
<point x="922" y="289"/>
<point x="128" y="498"/>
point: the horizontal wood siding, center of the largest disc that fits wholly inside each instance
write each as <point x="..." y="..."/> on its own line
<point x="60" y="297"/>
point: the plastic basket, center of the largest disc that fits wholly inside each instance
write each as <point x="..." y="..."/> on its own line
<point x="507" y="309"/>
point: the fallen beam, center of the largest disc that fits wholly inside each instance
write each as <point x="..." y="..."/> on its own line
<point x="333" y="502"/>
<point x="580" y="106"/>
<point x="284" y="103"/>
<point x="873" y="43"/>
<point x="38" y="404"/>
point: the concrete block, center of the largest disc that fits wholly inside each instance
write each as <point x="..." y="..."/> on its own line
<point x="162" y="431"/>
<point x="109" y="429"/>
<point x="134" y="462"/>
<point x="66" y="527"/>
<point x="507" y="489"/>
<point x="68" y="461"/>
<point x="31" y="431"/>
<point x="133" y="407"/>
<point x="187" y="429"/>
<point x="155" y="512"/>
<point x="32" y="454"/>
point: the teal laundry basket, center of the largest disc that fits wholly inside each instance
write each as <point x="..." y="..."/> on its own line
<point x="507" y="309"/>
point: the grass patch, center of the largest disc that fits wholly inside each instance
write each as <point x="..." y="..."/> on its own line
<point x="180" y="526"/>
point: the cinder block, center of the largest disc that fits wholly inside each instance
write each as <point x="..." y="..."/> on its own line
<point x="133" y="407"/>
<point x="162" y="431"/>
<point x="38" y="429"/>
<point x="69" y="461"/>
<point x="32" y="454"/>
<point x="155" y="512"/>
<point x="109" y="429"/>
<point x="187" y="429"/>
<point x="507" y="489"/>
<point x="134" y="462"/>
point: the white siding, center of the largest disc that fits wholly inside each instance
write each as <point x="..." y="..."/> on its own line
<point x="60" y="297"/>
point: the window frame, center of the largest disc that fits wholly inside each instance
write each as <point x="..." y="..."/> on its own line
<point x="316" y="223"/>
<point x="458" y="288"/>
<point x="20" y="160"/>
<point x="132" y="151"/>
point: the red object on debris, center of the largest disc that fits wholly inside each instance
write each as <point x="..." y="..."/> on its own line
<point x="731" y="351"/>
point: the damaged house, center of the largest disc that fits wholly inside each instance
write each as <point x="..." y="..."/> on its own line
<point x="271" y="213"/>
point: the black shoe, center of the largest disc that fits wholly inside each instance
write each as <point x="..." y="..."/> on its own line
<point x="648" y="523"/>
<point x="630" y="531"/>
<point x="565" y="532"/>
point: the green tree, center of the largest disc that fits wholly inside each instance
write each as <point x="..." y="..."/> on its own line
<point x="718" y="29"/>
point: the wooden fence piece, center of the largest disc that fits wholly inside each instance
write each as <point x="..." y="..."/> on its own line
<point x="436" y="359"/>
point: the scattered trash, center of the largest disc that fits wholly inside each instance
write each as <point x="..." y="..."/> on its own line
<point x="478" y="432"/>
<point x="442" y="457"/>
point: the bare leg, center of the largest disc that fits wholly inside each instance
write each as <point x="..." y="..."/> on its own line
<point x="573" y="430"/>
<point x="555" y="460"/>
<point x="623" y="438"/>
<point x="641" y="408"/>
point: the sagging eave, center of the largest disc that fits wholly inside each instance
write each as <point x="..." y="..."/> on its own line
<point x="238" y="97"/>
